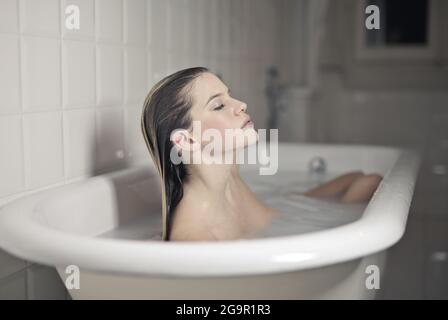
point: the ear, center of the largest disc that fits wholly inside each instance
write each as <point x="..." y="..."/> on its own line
<point x="183" y="140"/>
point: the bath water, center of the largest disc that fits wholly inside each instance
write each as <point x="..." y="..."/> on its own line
<point x="298" y="214"/>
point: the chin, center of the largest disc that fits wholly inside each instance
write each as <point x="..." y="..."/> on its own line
<point x="251" y="138"/>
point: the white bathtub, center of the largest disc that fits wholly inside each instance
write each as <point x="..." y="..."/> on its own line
<point x="62" y="227"/>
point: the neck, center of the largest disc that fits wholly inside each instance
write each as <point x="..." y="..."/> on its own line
<point x="216" y="179"/>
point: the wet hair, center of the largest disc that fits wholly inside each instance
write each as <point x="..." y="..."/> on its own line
<point x="167" y="108"/>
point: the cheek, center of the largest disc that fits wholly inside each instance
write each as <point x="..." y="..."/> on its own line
<point x="219" y="123"/>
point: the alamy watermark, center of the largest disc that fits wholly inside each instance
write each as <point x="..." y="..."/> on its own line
<point x="229" y="148"/>
<point x="72" y="18"/>
<point x="373" y="20"/>
<point x="373" y="278"/>
<point x="72" y="281"/>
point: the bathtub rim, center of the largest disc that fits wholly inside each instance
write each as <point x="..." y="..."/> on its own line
<point x="35" y="242"/>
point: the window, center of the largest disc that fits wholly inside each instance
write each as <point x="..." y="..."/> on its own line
<point x="407" y="30"/>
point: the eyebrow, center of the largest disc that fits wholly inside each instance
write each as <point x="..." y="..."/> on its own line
<point x="215" y="95"/>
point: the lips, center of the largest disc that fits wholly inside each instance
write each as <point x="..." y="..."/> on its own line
<point x="247" y="122"/>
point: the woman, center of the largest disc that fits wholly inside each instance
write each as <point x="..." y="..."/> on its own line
<point x="209" y="201"/>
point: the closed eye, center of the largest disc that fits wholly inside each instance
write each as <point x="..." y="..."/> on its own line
<point x="219" y="108"/>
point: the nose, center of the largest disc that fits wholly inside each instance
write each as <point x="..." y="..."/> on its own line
<point x="241" y="107"/>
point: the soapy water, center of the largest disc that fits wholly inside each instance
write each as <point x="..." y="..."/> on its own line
<point x="298" y="214"/>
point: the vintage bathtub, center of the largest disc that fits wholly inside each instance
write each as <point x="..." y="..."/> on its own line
<point x="103" y="226"/>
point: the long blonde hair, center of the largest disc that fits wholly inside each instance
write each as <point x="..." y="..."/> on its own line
<point x="166" y="108"/>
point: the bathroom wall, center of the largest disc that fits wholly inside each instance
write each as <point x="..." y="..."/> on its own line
<point x="71" y="99"/>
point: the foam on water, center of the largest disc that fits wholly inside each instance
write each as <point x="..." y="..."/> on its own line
<point x="298" y="214"/>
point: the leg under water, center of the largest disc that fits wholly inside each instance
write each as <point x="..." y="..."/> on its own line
<point x="348" y="188"/>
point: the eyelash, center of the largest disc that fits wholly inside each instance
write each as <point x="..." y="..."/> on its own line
<point x="219" y="108"/>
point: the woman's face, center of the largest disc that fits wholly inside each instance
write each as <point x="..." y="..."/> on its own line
<point x="216" y="109"/>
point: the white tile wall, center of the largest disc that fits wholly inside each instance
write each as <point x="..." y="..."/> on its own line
<point x="44" y="163"/>
<point x="109" y="146"/>
<point x="135" y="22"/>
<point x="87" y="20"/>
<point x="11" y="161"/>
<point x="40" y="17"/>
<point x="197" y="27"/>
<point x="135" y="145"/>
<point x="10" y="74"/>
<point x="135" y="75"/>
<point x="109" y="20"/>
<point x="79" y="137"/>
<point x="159" y="65"/>
<point x="179" y="26"/>
<point x="9" y="18"/>
<point x="109" y="78"/>
<point x="159" y="21"/>
<point x="71" y="99"/>
<point x="41" y="76"/>
<point x="78" y="74"/>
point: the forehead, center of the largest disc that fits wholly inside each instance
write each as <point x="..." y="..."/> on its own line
<point x="206" y="85"/>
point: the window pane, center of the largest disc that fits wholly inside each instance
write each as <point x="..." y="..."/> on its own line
<point x="401" y="23"/>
